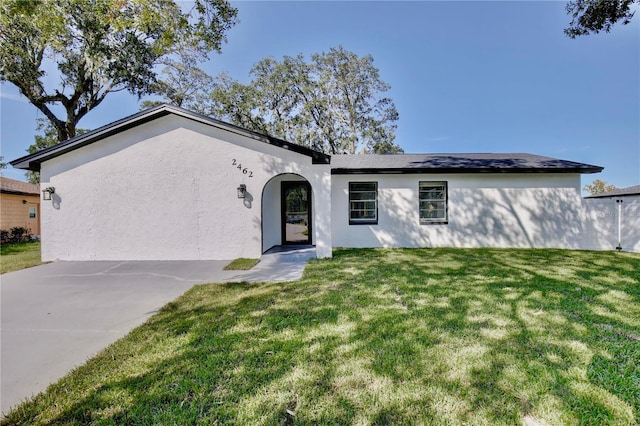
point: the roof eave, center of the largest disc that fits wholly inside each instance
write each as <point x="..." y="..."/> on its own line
<point x="626" y="194"/>
<point x="9" y="191"/>
<point x="452" y="170"/>
<point x="33" y="161"/>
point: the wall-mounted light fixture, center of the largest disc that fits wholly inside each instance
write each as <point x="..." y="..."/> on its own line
<point x="242" y="190"/>
<point x="46" y="193"/>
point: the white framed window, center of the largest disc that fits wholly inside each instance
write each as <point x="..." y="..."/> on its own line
<point x="363" y="203"/>
<point x="32" y="212"/>
<point x="433" y="202"/>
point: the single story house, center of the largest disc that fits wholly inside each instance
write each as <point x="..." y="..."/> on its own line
<point x="167" y="183"/>
<point x="19" y="205"/>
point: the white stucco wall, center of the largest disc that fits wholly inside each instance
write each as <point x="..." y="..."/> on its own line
<point x="485" y="210"/>
<point x="166" y="190"/>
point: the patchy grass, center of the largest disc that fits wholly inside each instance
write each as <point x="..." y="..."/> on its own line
<point x="427" y="336"/>
<point x="19" y="256"/>
<point x="241" y="264"/>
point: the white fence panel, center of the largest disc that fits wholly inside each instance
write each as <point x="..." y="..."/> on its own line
<point x="609" y="224"/>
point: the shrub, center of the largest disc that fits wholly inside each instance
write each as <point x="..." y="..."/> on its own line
<point x="19" y="234"/>
<point x="4" y="235"/>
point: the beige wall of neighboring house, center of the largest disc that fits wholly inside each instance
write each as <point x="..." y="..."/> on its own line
<point x="19" y="205"/>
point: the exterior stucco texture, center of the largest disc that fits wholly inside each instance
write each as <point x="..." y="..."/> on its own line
<point x="167" y="190"/>
<point x="483" y="211"/>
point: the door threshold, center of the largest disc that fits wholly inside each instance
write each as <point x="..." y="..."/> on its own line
<point x="288" y="247"/>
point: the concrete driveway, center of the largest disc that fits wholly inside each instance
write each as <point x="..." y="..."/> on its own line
<point x="56" y="316"/>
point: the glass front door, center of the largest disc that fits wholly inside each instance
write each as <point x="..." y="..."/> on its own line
<point x="296" y="213"/>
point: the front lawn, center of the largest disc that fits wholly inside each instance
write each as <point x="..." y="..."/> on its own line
<point x="15" y="256"/>
<point x="433" y="336"/>
<point x="241" y="264"/>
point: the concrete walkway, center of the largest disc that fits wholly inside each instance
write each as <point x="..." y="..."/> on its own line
<point x="56" y="316"/>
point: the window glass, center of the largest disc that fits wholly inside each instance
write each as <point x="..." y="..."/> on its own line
<point x="32" y="212"/>
<point x="363" y="202"/>
<point x="433" y="202"/>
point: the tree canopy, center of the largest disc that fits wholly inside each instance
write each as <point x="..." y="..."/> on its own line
<point x="593" y="16"/>
<point x="333" y="103"/>
<point x="47" y="138"/>
<point x="183" y="84"/>
<point x="66" y="56"/>
<point x="598" y="187"/>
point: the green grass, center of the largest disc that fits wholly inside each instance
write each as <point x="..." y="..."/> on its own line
<point x="19" y="256"/>
<point x="241" y="264"/>
<point x="433" y="336"/>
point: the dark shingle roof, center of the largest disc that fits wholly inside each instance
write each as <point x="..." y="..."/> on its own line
<point x="455" y="163"/>
<point x="12" y="186"/>
<point x="621" y="192"/>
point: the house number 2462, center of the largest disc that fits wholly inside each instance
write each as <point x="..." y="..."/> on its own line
<point x="244" y="170"/>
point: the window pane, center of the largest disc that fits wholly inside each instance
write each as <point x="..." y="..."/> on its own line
<point x="363" y="202"/>
<point x="363" y="205"/>
<point x="432" y="193"/>
<point x="362" y="186"/>
<point x="361" y="195"/>
<point x="363" y="214"/>
<point x="32" y="212"/>
<point x="433" y="210"/>
<point x="432" y="201"/>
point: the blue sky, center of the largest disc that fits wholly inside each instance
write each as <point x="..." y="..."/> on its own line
<point x="465" y="77"/>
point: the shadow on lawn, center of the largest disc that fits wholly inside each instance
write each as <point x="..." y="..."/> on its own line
<point x="379" y="337"/>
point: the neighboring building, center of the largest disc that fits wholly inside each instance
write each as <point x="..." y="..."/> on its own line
<point x="167" y="183"/>
<point x="628" y="193"/>
<point x="19" y="205"/>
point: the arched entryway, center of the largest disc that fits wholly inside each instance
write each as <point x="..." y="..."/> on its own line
<point x="287" y="212"/>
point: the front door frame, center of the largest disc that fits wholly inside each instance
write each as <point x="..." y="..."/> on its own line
<point x="285" y="186"/>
